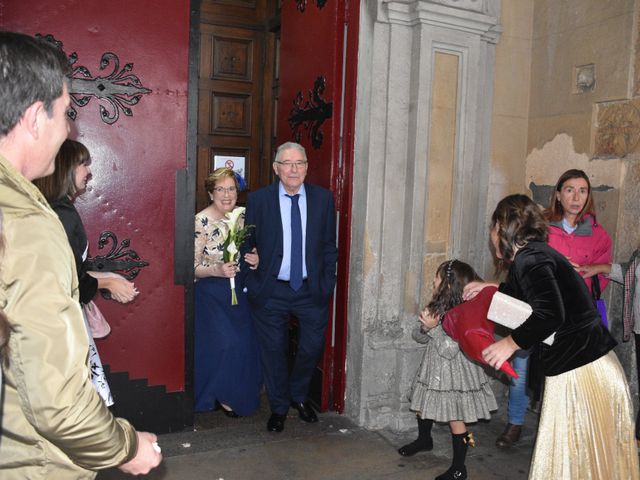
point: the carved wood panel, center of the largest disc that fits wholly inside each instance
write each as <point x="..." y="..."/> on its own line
<point x="232" y="59"/>
<point x="236" y="3"/>
<point x="231" y="114"/>
<point x="230" y="101"/>
<point x="233" y="12"/>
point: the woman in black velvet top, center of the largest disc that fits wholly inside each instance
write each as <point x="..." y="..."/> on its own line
<point x="586" y="428"/>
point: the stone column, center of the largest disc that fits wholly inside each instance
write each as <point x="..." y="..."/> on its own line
<point x="401" y="231"/>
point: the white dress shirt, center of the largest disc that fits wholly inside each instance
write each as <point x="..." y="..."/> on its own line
<point x="285" y="215"/>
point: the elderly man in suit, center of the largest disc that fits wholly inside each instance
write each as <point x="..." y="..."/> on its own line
<point x="295" y="234"/>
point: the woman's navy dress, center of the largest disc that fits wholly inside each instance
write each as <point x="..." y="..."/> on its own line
<point x="227" y="366"/>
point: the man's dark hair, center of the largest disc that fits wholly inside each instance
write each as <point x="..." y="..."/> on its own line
<point x="31" y="70"/>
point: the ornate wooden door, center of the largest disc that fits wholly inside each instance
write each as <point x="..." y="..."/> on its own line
<point x="318" y="39"/>
<point x="130" y="106"/>
<point x="234" y="120"/>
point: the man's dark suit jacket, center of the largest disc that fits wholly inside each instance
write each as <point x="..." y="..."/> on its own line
<point x="321" y="253"/>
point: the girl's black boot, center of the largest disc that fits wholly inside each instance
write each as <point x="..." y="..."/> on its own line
<point x="423" y="443"/>
<point x="458" y="471"/>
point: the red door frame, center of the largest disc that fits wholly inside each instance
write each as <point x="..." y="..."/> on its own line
<point x="323" y="40"/>
<point x="343" y="193"/>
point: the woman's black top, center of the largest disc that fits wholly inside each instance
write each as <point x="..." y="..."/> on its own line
<point x="561" y="304"/>
<point x="77" y="236"/>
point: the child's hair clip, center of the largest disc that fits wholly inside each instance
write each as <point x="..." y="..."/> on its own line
<point x="449" y="267"/>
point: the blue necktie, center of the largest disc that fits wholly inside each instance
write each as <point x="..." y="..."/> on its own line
<point x="295" y="272"/>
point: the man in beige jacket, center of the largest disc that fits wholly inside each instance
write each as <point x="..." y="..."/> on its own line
<point x="54" y="425"/>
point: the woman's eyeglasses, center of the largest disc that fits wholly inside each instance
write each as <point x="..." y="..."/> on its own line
<point x="222" y="190"/>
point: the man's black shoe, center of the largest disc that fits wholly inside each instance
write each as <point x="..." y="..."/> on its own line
<point x="276" y="422"/>
<point x="305" y="411"/>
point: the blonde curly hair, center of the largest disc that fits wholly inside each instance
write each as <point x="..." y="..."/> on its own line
<point x="218" y="174"/>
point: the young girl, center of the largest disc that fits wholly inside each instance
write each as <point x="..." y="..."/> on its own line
<point x="448" y="387"/>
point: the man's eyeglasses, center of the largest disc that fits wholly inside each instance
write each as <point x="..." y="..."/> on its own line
<point x="221" y="190"/>
<point x="299" y="164"/>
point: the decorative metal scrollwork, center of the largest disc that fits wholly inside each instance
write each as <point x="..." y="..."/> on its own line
<point x="311" y="114"/>
<point x="302" y="4"/>
<point x="120" y="89"/>
<point x="125" y="262"/>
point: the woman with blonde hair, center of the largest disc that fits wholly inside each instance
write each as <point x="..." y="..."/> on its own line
<point x="227" y="369"/>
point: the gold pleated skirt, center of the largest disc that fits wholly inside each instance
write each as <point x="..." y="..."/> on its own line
<point x="586" y="430"/>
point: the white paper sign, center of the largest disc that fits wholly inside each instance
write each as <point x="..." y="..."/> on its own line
<point x="237" y="164"/>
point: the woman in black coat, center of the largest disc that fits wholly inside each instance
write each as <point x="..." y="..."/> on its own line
<point x="586" y="428"/>
<point x="61" y="189"/>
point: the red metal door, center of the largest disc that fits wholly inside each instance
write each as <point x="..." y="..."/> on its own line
<point x="137" y="141"/>
<point x="316" y="109"/>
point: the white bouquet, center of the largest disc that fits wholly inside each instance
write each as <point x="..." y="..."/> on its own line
<point x="233" y="242"/>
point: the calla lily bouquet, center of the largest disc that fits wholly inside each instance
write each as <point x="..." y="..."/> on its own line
<point x="233" y="242"/>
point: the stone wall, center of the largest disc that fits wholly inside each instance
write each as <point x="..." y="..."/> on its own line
<point x="421" y="177"/>
<point x="584" y="113"/>
<point x="510" y="120"/>
<point x="432" y="160"/>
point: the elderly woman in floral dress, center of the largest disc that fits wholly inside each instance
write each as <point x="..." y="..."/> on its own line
<point x="227" y="366"/>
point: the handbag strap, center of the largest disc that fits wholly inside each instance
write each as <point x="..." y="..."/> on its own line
<point x="628" y="295"/>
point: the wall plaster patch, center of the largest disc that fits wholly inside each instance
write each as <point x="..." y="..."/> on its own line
<point x="545" y="165"/>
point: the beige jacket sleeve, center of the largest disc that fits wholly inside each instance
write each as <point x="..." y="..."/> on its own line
<point x="49" y="349"/>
